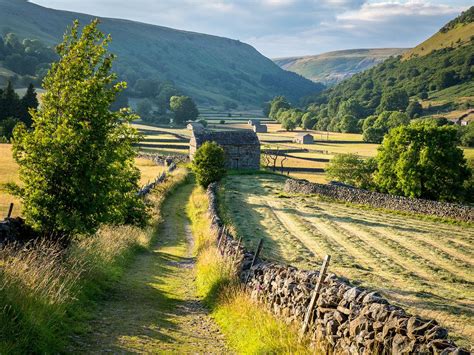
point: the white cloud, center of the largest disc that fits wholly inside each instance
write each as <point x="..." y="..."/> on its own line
<point x="287" y="27"/>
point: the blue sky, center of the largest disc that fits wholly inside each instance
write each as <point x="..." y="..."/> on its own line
<point x="280" y="28"/>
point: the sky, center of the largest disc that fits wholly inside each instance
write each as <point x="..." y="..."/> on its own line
<point x="285" y="28"/>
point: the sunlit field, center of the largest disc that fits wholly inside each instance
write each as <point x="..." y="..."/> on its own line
<point x="9" y="173"/>
<point x="423" y="265"/>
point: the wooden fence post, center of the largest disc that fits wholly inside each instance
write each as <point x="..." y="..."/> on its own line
<point x="315" y="294"/>
<point x="10" y="210"/>
<point x="255" y="256"/>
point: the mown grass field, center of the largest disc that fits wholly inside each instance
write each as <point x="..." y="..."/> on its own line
<point x="9" y="173"/>
<point x="423" y="265"/>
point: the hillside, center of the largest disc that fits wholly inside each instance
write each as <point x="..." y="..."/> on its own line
<point x="213" y="70"/>
<point x="333" y="67"/>
<point x="441" y="81"/>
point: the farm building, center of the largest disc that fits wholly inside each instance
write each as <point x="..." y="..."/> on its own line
<point x="253" y="122"/>
<point x="260" y="128"/>
<point x="304" y="138"/>
<point x="195" y="126"/>
<point x="242" y="147"/>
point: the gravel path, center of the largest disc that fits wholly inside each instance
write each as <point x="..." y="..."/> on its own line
<point x="154" y="308"/>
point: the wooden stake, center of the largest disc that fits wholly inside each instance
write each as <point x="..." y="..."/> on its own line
<point x="10" y="210"/>
<point x="315" y="295"/>
<point x="257" y="253"/>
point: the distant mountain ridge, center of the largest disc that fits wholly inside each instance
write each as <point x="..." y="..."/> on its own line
<point x="213" y="70"/>
<point x="333" y="67"/>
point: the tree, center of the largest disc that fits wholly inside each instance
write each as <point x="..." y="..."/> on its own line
<point x="348" y="124"/>
<point x="289" y="123"/>
<point x="7" y="127"/>
<point x="10" y="102"/>
<point x="27" y="102"/>
<point x="422" y="160"/>
<point x="209" y="163"/>
<point x="395" y="100"/>
<point x="184" y="109"/>
<point x="77" y="165"/>
<point x="308" y="120"/>
<point x="277" y="104"/>
<point x="144" y="109"/>
<point x="414" y="109"/>
<point x="352" y="170"/>
<point x="467" y="135"/>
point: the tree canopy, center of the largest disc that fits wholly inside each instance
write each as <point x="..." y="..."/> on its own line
<point x="184" y="109"/>
<point x="77" y="165"/>
<point x="422" y="160"/>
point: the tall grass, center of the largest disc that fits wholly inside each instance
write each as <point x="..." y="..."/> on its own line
<point x="248" y="328"/>
<point x="46" y="292"/>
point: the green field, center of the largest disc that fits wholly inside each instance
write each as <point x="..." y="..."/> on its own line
<point x="425" y="266"/>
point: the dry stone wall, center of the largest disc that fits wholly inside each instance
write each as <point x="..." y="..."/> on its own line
<point x="346" y="319"/>
<point x="398" y="203"/>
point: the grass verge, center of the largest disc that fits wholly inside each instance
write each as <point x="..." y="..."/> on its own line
<point x="47" y="293"/>
<point x="248" y="328"/>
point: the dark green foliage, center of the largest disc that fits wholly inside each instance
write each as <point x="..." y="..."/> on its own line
<point x="375" y="127"/>
<point x="7" y="126"/>
<point x="467" y="135"/>
<point x="184" y="109"/>
<point x="145" y="109"/>
<point x="204" y="122"/>
<point x="396" y="100"/>
<point x="77" y="165"/>
<point x="387" y="86"/>
<point x="348" y="124"/>
<point x="422" y="160"/>
<point x="414" y="109"/>
<point x="209" y="163"/>
<point x="277" y="104"/>
<point x="352" y="170"/>
<point x="27" y="102"/>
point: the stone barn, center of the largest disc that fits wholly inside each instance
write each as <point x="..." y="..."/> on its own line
<point x="242" y="147"/>
<point x="304" y="138"/>
<point x="260" y="128"/>
<point x="195" y="126"/>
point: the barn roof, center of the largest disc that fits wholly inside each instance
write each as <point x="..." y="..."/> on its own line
<point x="303" y="134"/>
<point x="237" y="137"/>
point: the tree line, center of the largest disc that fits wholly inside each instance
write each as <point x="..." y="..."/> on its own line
<point x="14" y="109"/>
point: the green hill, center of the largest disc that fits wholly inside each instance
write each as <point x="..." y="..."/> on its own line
<point x="213" y="70"/>
<point x="441" y="80"/>
<point x="333" y="67"/>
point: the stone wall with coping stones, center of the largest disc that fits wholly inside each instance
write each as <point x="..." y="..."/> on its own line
<point x="346" y="319"/>
<point x="379" y="200"/>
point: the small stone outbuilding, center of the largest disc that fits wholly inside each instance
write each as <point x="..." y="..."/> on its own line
<point x="304" y="138"/>
<point x="260" y="128"/>
<point x="253" y="122"/>
<point x="195" y="126"/>
<point x="242" y="147"/>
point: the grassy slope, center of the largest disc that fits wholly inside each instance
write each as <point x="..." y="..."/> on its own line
<point x="211" y="69"/>
<point x="458" y="36"/>
<point x="425" y="266"/>
<point x="332" y="67"/>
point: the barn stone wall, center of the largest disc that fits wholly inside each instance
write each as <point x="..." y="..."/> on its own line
<point x="346" y="319"/>
<point x="379" y="200"/>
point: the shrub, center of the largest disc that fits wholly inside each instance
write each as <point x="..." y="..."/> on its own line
<point x="209" y="163"/>
<point x="353" y="170"/>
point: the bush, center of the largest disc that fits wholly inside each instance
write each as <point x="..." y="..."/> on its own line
<point x="352" y="169"/>
<point x="209" y="163"/>
<point x="222" y="121"/>
<point x="467" y="135"/>
<point x="203" y="122"/>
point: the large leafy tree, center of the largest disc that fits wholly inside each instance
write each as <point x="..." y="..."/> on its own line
<point x="422" y="160"/>
<point x="184" y="109"/>
<point x="351" y="169"/>
<point x="77" y="164"/>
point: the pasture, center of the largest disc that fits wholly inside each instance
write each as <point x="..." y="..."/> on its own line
<point x="425" y="266"/>
<point x="299" y="161"/>
<point x="9" y="173"/>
